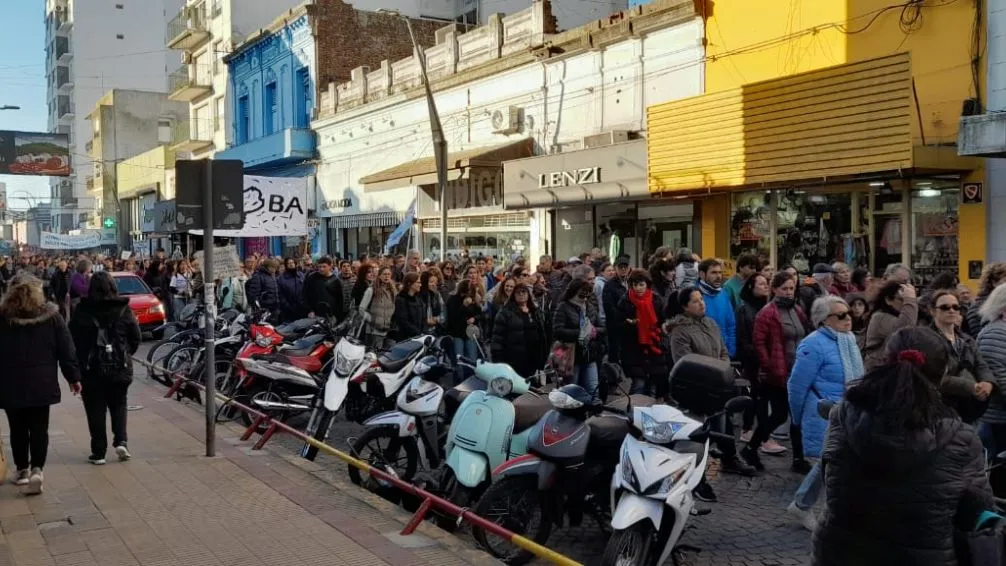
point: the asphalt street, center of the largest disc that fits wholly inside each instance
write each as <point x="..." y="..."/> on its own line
<point x="748" y="526"/>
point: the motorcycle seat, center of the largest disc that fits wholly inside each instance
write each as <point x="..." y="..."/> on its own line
<point x="528" y="410"/>
<point x="301" y="347"/>
<point x="621" y="404"/>
<point x="295" y="327"/>
<point x="457" y="394"/>
<point x="397" y="357"/>
<point x="607" y="432"/>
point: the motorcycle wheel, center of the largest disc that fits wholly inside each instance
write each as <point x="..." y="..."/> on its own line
<point x="317" y="431"/>
<point x="156" y="356"/>
<point x="458" y="494"/>
<point x="262" y="393"/>
<point x="399" y="454"/>
<point x="502" y="504"/>
<point x="631" y="547"/>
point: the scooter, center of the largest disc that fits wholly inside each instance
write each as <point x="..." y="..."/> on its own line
<point x="489" y="428"/>
<point x="651" y="489"/>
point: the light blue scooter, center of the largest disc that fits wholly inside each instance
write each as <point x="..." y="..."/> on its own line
<point x="489" y="428"/>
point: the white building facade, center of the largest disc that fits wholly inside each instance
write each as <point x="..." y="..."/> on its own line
<point x="569" y="13"/>
<point x="506" y="92"/>
<point x="89" y="51"/>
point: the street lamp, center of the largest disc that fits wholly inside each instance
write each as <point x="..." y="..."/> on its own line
<point x="439" y="141"/>
<point x="9" y="107"/>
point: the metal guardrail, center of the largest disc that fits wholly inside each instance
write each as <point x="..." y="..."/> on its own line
<point x="429" y="500"/>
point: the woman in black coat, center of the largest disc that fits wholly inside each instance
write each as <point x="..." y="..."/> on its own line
<point x="644" y="358"/>
<point x="519" y="334"/>
<point x="577" y="325"/>
<point x="754" y="296"/>
<point x="409" y="319"/>
<point x="35" y="346"/>
<point x="105" y="392"/>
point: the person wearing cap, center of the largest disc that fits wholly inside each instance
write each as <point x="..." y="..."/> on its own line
<point x="615" y="289"/>
<point x="822" y="278"/>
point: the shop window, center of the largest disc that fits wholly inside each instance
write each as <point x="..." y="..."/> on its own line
<point x="664" y="225"/>
<point x="934" y="229"/>
<point x="616" y="232"/>
<point x="751" y="224"/>
<point x="574" y="230"/>
<point x="817" y="227"/>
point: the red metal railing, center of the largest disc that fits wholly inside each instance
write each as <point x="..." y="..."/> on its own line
<point x="429" y="500"/>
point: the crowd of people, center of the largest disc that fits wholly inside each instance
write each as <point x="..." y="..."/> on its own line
<point x="922" y="375"/>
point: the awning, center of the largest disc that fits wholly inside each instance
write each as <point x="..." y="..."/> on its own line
<point x="371" y="220"/>
<point x="575" y="195"/>
<point x="840" y="122"/>
<point x="424" y="171"/>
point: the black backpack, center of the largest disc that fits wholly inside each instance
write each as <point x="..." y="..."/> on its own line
<point x="108" y="359"/>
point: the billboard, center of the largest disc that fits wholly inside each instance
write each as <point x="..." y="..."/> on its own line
<point x="34" y="153"/>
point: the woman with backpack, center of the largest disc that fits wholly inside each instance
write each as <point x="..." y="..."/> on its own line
<point x="105" y="333"/>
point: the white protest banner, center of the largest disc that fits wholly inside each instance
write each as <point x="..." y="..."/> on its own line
<point x="82" y="241"/>
<point x="274" y="206"/>
<point x="226" y="263"/>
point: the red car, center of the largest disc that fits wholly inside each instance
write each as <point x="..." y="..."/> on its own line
<point x="148" y="308"/>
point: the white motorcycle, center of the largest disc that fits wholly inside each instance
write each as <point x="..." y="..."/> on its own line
<point x="651" y="490"/>
<point x="364" y="388"/>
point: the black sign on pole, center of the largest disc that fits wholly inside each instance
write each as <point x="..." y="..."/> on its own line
<point x="227" y="193"/>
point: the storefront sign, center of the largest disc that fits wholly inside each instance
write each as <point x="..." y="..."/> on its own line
<point x="164" y="217"/>
<point x="972" y="193"/>
<point x="975" y="268"/>
<point x="582" y="176"/>
<point x="482" y="188"/>
<point x="147" y="204"/>
<point x="273" y="206"/>
<point x="337" y="205"/>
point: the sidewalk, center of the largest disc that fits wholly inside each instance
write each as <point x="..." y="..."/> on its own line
<point x="171" y="506"/>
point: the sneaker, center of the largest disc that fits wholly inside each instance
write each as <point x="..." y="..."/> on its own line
<point x="736" y="466"/>
<point x="704" y="492"/>
<point x="805" y="518"/>
<point x="772" y="448"/>
<point x="22" y="477"/>
<point x="801" y="467"/>
<point x="34" y="482"/>
<point x="123" y="453"/>
<point x="96" y="460"/>
<point x="746" y="436"/>
<point x="750" y="456"/>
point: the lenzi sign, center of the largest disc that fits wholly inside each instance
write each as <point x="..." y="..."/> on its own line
<point x="573" y="177"/>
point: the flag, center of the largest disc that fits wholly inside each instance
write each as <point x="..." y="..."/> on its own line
<point x="402" y="229"/>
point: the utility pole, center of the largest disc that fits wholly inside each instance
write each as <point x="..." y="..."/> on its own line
<point x="439" y="141"/>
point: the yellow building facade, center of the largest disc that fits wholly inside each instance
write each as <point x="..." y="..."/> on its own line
<point x="828" y="131"/>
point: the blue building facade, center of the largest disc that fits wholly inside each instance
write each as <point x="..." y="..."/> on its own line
<point x="271" y="94"/>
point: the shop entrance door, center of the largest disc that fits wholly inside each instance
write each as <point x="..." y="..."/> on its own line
<point x="655" y="233"/>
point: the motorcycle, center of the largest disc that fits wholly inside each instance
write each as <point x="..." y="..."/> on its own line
<point x="572" y="453"/>
<point x="490" y="427"/>
<point x="651" y="490"/>
<point x="370" y="388"/>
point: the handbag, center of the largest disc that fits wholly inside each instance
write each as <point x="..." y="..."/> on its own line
<point x="562" y="359"/>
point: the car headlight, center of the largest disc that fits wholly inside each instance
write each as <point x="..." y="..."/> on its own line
<point x="657" y="432"/>
<point x="156" y="309"/>
<point x="501" y="386"/>
<point x="263" y="341"/>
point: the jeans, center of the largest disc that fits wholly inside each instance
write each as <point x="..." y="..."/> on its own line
<point x="993" y="437"/>
<point x="776" y="399"/>
<point x="29" y="436"/>
<point x="464" y="347"/>
<point x="586" y="377"/>
<point x="808" y="492"/>
<point x="99" y="400"/>
<point x="177" y="305"/>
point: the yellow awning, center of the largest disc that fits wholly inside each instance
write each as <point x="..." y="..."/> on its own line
<point x="424" y="171"/>
<point x="832" y="123"/>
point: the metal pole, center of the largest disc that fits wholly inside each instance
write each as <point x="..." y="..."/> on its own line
<point x="439" y="143"/>
<point x="210" y="297"/>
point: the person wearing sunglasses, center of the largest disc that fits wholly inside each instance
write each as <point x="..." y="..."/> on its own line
<point x="969" y="381"/>
<point x="827" y="361"/>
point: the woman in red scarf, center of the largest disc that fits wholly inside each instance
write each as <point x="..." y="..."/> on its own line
<point x="643" y="356"/>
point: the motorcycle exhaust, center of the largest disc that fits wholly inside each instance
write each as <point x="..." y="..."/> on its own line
<point x="277" y="406"/>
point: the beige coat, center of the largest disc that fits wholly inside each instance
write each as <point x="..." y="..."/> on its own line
<point x="882" y="325"/>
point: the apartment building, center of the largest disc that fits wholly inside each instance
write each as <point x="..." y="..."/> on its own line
<point x="89" y="51"/>
<point x="569" y="13"/>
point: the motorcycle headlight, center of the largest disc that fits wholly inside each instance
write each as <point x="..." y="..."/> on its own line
<point x="665" y="486"/>
<point x="263" y="341"/>
<point x="343" y="365"/>
<point x="421" y="368"/>
<point x="658" y="432"/>
<point x="501" y="386"/>
<point x="628" y="474"/>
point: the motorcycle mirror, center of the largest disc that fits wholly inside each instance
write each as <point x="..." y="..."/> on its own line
<point x="738" y="404"/>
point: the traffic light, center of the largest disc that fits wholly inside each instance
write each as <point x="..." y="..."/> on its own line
<point x="109" y="222"/>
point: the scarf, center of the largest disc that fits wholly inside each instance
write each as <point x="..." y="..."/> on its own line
<point x="708" y="289"/>
<point x="647" y="331"/>
<point x="785" y="302"/>
<point x="852" y="360"/>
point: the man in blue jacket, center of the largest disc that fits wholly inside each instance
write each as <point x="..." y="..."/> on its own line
<point x="718" y="305"/>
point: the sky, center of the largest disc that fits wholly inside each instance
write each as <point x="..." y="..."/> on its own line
<point x="22" y="83"/>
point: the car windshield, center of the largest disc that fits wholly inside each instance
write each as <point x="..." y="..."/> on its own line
<point x="131" y="286"/>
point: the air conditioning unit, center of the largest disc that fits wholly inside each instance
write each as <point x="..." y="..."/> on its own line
<point x="605" y="138"/>
<point x="507" y="120"/>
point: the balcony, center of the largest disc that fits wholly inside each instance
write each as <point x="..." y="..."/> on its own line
<point x="63" y="83"/>
<point x="184" y="140"/>
<point x="291" y="145"/>
<point x="190" y="82"/>
<point x="188" y="30"/>
<point x="65" y="113"/>
<point x="61" y="50"/>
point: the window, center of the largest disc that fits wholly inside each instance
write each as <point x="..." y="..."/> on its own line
<point x="218" y="56"/>
<point x="244" y="119"/>
<point x="302" y="116"/>
<point x="119" y="36"/>
<point x="271" y="109"/>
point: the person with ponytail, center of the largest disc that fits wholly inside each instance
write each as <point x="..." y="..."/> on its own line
<point x="901" y="469"/>
<point x="641" y="313"/>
